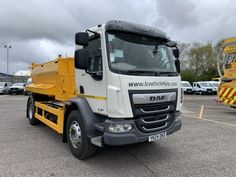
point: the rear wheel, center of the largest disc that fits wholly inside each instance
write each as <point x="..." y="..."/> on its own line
<point x="31" y="111"/>
<point x="79" y="143"/>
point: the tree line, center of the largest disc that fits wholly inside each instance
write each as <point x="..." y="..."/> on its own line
<point x="199" y="61"/>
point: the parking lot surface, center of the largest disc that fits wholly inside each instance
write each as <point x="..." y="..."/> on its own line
<point x="205" y="146"/>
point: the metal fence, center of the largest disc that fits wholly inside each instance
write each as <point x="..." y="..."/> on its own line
<point x="14" y="79"/>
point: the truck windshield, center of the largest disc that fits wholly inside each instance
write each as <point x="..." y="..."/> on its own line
<point x="185" y="85"/>
<point x="205" y="84"/>
<point x="139" y="55"/>
<point x="18" y="84"/>
<point x="215" y="84"/>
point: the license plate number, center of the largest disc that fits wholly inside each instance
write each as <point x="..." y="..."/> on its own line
<point x="157" y="137"/>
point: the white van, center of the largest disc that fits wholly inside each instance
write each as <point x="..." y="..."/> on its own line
<point x="28" y="82"/>
<point x="187" y="88"/>
<point x="202" y="87"/>
<point x="4" y="87"/>
<point x="215" y="86"/>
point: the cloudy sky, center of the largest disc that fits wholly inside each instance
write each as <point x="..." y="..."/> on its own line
<point x="39" y="30"/>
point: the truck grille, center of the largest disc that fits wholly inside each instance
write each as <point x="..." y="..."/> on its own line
<point x="154" y="123"/>
<point x="153" y="117"/>
<point x="209" y="90"/>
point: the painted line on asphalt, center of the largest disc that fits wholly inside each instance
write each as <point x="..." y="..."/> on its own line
<point x="220" y="116"/>
<point x="210" y="106"/>
<point x="201" y="112"/>
<point x="210" y="120"/>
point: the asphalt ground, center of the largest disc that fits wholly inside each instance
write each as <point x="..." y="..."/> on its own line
<point x="205" y="146"/>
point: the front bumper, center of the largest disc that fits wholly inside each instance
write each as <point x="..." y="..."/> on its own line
<point x="135" y="135"/>
<point x="188" y="91"/>
<point x="207" y="92"/>
<point x="18" y="91"/>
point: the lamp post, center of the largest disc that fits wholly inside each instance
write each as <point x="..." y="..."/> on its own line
<point x="8" y="48"/>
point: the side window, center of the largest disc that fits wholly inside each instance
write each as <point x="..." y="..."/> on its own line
<point x="95" y="55"/>
<point x="198" y="86"/>
<point x="5" y="85"/>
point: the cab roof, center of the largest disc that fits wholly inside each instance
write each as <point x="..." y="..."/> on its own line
<point x="118" y="25"/>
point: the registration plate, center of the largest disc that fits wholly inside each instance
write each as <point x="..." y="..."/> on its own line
<point x="157" y="137"/>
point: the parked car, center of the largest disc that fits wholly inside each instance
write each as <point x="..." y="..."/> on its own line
<point x="202" y="87"/>
<point x="215" y="86"/>
<point x="187" y="87"/>
<point x="4" y="87"/>
<point x="17" y="88"/>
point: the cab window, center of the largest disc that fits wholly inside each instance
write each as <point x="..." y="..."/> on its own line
<point x="95" y="55"/>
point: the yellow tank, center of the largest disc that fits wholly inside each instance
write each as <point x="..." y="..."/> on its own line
<point x="55" y="79"/>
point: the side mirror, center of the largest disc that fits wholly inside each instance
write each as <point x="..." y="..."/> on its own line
<point x="82" y="38"/>
<point x="176" y="52"/>
<point x="177" y="65"/>
<point x="82" y="59"/>
<point x="171" y="44"/>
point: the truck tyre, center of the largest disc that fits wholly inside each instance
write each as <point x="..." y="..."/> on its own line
<point x="31" y="110"/>
<point x="79" y="143"/>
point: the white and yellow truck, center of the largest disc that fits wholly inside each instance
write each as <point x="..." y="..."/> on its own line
<point x="122" y="87"/>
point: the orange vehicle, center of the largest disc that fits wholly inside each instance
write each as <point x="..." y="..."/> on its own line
<point x="227" y="88"/>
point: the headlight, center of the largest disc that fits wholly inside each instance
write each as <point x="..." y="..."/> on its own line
<point x="177" y="118"/>
<point x="118" y="128"/>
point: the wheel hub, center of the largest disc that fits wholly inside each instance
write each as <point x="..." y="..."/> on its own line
<point x="75" y="134"/>
<point x="30" y="111"/>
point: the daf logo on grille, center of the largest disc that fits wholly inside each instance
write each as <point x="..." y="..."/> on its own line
<point x="153" y="97"/>
<point x="157" y="98"/>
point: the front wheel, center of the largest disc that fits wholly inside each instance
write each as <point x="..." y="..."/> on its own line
<point x="79" y="143"/>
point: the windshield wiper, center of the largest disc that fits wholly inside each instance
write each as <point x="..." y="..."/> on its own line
<point x="141" y="72"/>
<point x="154" y="73"/>
<point x="168" y="73"/>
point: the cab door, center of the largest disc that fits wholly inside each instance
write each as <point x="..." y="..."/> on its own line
<point x="92" y="82"/>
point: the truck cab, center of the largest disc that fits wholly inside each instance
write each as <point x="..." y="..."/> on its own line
<point x="130" y="79"/>
<point x="128" y="88"/>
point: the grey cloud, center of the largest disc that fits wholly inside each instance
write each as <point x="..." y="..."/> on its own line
<point x="59" y="20"/>
<point x="178" y="14"/>
<point x="38" y="30"/>
<point x="27" y="22"/>
<point x="192" y="20"/>
<point x="21" y="55"/>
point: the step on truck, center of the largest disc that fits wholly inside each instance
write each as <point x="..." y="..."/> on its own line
<point x="122" y="87"/>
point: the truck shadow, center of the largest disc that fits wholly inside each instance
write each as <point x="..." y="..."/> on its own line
<point x="136" y="154"/>
<point x="109" y="157"/>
